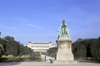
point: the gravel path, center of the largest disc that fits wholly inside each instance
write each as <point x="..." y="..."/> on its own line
<point x="46" y="64"/>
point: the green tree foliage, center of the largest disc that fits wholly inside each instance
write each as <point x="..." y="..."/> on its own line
<point x="3" y="42"/>
<point x="52" y="51"/>
<point x="1" y="50"/>
<point x="24" y="50"/>
<point x="12" y="48"/>
<point x="9" y="38"/>
<point x="95" y="49"/>
<point x="37" y="55"/>
<point x="87" y="48"/>
<point x="78" y="50"/>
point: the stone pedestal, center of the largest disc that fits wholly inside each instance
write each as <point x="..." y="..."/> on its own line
<point x="64" y="51"/>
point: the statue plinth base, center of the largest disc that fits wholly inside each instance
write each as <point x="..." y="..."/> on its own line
<point x="64" y="51"/>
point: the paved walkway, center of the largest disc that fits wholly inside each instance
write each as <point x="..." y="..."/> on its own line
<point x="45" y="64"/>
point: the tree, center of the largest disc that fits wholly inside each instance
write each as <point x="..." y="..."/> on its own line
<point x="52" y="51"/>
<point x="3" y="42"/>
<point x="1" y="50"/>
<point x="9" y="38"/>
<point x="95" y="49"/>
<point x="12" y="48"/>
<point x="24" y="50"/>
<point x="79" y="50"/>
<point x="87" y="48"/>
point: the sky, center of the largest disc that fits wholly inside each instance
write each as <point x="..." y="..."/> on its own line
<point x="39" y="20"/>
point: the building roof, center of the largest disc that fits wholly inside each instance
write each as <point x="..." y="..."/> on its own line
<point x="39" y="43"/>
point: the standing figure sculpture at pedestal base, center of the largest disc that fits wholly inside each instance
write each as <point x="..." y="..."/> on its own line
<point x="64" y="51"/>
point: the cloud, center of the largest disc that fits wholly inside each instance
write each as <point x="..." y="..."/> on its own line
<point x="35" y="35"/>
<point x="16" y="20"/>
<point x="55" y="3"/>
<point x="92" y="20"/>
<point x="34" y="26"/>
<point x="8" y="27"/>
<point x="6" y="19"/>
<point x="24" y="20"/>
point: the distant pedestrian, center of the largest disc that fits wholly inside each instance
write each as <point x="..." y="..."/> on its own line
<point x="14" y="61"/>
<point x="45" y="58"/>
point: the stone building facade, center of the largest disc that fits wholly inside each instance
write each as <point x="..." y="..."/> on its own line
<point x="40" y="47"/>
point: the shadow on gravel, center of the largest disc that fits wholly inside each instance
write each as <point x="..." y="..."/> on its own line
<point x="90" y="61"/>
<point x="9" y="63"/>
